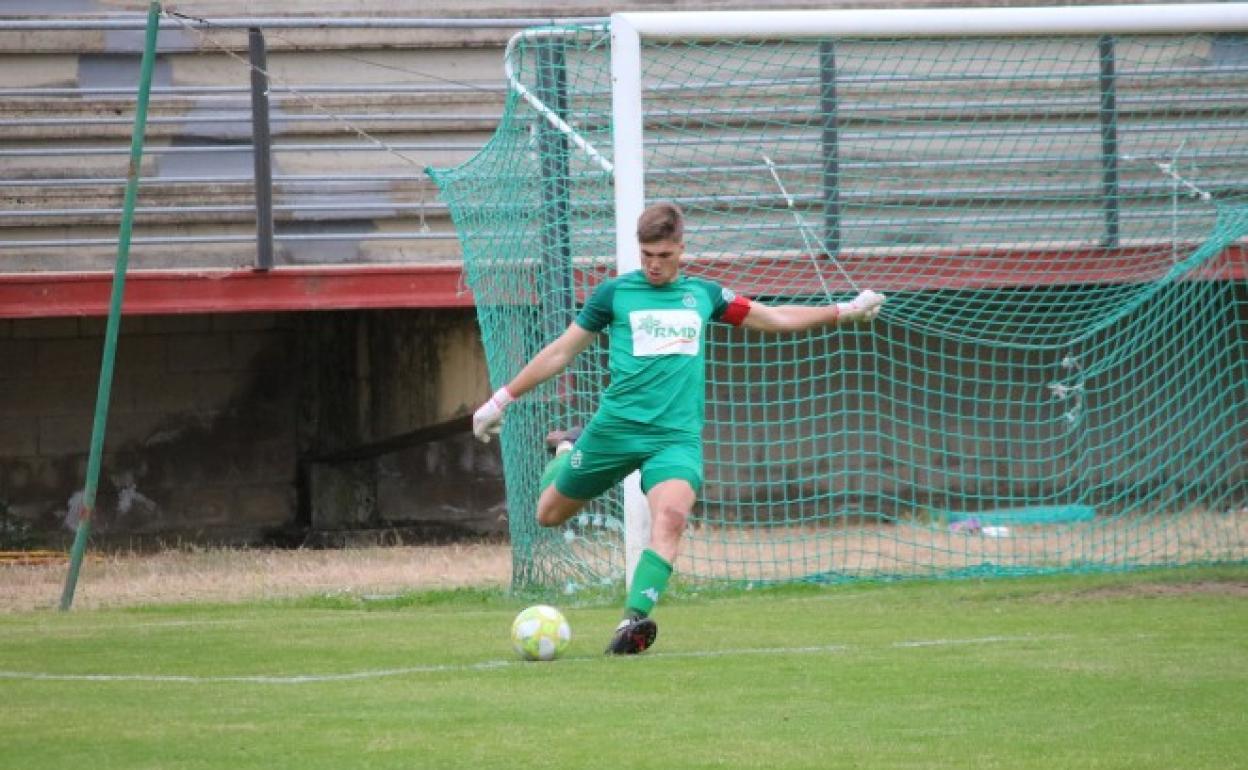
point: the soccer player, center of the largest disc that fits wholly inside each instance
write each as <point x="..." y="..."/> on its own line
<point x="650" y="416"/>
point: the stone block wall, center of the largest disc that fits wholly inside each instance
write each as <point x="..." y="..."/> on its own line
<point x="214" y="422"/>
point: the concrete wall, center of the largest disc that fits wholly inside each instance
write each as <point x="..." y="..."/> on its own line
<point x="224" y="428"/>
<point x="907" y="418"/>
<point x="215" y="419"/>
<point x="201" y="434"/>
<point x="374" y="377"/>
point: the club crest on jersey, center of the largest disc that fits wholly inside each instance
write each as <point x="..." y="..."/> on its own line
<point x="665" y="332"/>
<point x="689" y="300"/>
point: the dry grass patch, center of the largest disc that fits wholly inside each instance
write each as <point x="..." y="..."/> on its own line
<point x="235" y="574"/>
<point x="922" y="548"/>
<point x="1199" y="587"/>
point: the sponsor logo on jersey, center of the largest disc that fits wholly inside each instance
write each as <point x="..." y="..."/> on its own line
<point x="665" y="332"/>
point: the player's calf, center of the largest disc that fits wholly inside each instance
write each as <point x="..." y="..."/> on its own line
<point x="554" y="508"/>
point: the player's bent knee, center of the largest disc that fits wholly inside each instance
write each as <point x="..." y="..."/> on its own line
<point x="671" y="518"/>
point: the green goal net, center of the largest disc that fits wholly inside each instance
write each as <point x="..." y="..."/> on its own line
<point x="1060" y="378"/>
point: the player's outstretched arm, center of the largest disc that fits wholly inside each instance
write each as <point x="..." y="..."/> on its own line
<point x="795" y="318"/>
<point x="548" y="362"/>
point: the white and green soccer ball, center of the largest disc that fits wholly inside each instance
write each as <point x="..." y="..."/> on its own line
<point x="540" y="633"/>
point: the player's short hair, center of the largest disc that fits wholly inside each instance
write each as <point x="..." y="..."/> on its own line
<point x="661" y="222"/>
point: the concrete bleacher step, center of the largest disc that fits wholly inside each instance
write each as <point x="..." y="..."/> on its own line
<point x="68" y="149"/>
<point x="444" y="99"/>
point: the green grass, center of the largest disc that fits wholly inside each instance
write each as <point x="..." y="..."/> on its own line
<point x="1145" y="670"/>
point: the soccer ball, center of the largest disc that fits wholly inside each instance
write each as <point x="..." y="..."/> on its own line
<point x="540" y="633"/>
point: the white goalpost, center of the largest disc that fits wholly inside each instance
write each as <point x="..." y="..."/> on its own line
<point x="1054" y="199"/>
<point x="628" y="30"/>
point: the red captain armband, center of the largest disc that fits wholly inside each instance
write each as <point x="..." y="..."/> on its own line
<point x="736" y="311"/>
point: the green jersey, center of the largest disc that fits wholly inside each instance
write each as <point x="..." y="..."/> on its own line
<point x="657" y="346"/>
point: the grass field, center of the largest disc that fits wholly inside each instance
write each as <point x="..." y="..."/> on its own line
<point x="1142" y="670"/>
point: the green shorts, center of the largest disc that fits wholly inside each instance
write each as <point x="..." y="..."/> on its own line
<point x="606" y="453"/>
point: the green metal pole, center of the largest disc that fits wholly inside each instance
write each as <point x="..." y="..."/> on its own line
<point x="114" y="309"/>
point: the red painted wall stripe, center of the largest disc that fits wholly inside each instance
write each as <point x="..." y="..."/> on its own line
<point x="150" y="292"/>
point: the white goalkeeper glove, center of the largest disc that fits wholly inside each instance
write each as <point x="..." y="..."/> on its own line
<point x="488" y="420"/>
<point x="865" y="307"/>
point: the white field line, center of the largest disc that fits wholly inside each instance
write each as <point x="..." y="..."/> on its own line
<point x="489" y="665"/>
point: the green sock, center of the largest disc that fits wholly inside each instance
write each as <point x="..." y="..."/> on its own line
<point x="649" y="582"/>
<point x="552" y="469"/>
